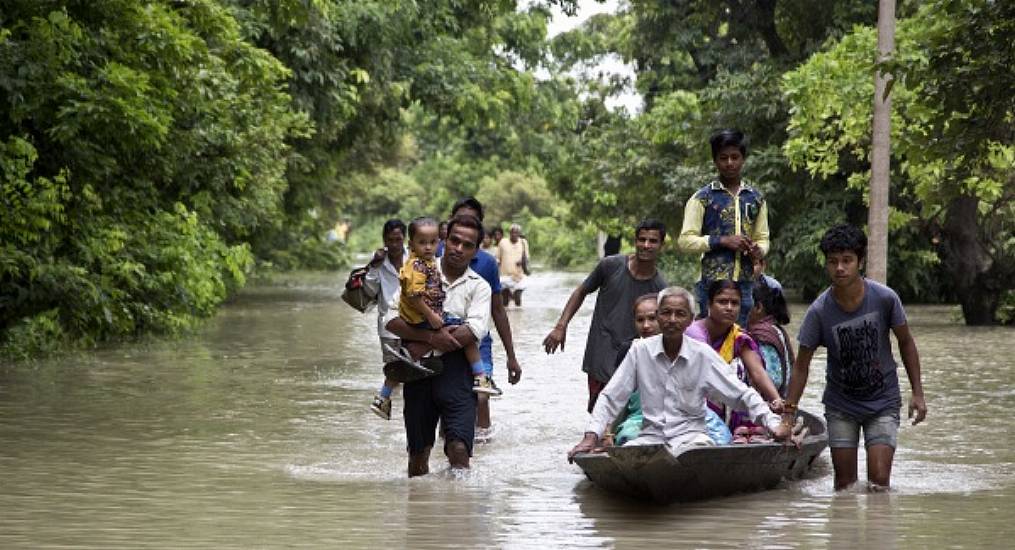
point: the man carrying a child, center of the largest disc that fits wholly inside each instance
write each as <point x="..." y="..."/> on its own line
<point x="448" y="396"/>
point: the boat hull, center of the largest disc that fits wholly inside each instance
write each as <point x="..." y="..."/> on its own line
<point x="651" y="472"/>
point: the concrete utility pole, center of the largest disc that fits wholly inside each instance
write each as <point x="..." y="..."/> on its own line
<point x="881" y="150"/>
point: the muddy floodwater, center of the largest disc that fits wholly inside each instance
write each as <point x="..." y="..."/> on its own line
<point x="255" y="432"/>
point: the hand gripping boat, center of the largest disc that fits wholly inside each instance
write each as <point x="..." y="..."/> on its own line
<point x="651" y="472"/>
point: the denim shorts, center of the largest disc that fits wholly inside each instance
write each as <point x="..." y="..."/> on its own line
<point x="844" y="430"/>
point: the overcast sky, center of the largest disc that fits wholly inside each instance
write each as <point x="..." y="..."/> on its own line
<point x="612" y="64"/>
<point x="586" y="8"/>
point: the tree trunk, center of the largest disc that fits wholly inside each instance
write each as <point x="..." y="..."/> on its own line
<point x="769" y="32"/>
<point x="881" y="151"/>
<point x="977" y="280"/>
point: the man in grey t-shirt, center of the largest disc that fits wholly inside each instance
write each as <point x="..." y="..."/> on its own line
<point x="852" y="320"/>
<point x="861" y="377"/>
<point x="620" y="280"/>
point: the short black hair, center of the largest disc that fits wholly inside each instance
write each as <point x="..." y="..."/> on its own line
<point x="719" y="285"/>
<point x="469" y="202"/>
<point x="422" y="221"/>
<point x="466" y="220"/>
<point x="651" y="224"/>
<point x="844" y="238"/>
<point x="772" y="301"/>
<point x="391" y="225"/>
<point x="728" y="137"/>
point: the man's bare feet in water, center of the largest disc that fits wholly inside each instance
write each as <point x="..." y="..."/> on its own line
<point x="458" y="454"/>
<point x="419" y="463"/>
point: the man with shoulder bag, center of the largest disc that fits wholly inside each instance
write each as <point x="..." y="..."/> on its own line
<point x="381" y="279"/>
<point x="360" y="295"/>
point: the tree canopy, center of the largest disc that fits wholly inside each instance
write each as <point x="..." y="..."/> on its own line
<point x="152" y="154"/>
<point x="952" y="158"/>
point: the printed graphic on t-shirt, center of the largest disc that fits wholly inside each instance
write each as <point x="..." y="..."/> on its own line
<point x="857" y="341"/>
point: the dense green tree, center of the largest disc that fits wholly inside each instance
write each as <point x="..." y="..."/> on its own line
<point x="951" y="138"/>
<point x="151" y="152"/>
<point x="701" y="66"/>
<point x="148" y="148"/>
<point x="359" y="65"/>
<point x="510" y="193"/>
<point x="525" y="138"/>
<point x="140" y="146"/>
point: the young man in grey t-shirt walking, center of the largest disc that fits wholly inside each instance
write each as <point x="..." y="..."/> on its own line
<point x="620" y="280"/>
<point x="852" y="320"/>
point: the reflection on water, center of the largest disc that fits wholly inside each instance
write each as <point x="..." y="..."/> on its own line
<point x="256" y="433"/>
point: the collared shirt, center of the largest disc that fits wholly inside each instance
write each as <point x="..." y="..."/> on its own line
<point x="384" y="279"/>
<point x="673" y="392"/>
<point x="712" y="213"/>
<point x="486" y="265"/>
<point x="467" y="297"/>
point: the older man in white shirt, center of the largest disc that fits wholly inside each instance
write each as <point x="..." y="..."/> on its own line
<point x="673" y="374"/>
<point x="448" y="396"/>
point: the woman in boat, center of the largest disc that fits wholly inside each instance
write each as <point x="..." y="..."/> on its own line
<point x="765" y="325"/>
<point x="720" y="330"/>
<point x="628" y="424"/>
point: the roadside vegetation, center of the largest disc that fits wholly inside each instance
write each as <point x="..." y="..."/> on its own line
<point x="153" y="155"/>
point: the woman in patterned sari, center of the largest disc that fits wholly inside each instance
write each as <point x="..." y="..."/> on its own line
<point x="720" y="330"/>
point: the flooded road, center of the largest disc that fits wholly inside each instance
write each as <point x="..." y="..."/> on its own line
<point x="256" y="432"/>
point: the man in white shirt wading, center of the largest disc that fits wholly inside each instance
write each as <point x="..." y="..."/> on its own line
<point x="447" y="396"/>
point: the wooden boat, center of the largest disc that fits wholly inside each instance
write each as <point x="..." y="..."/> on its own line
<point x="651" y="472"/>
